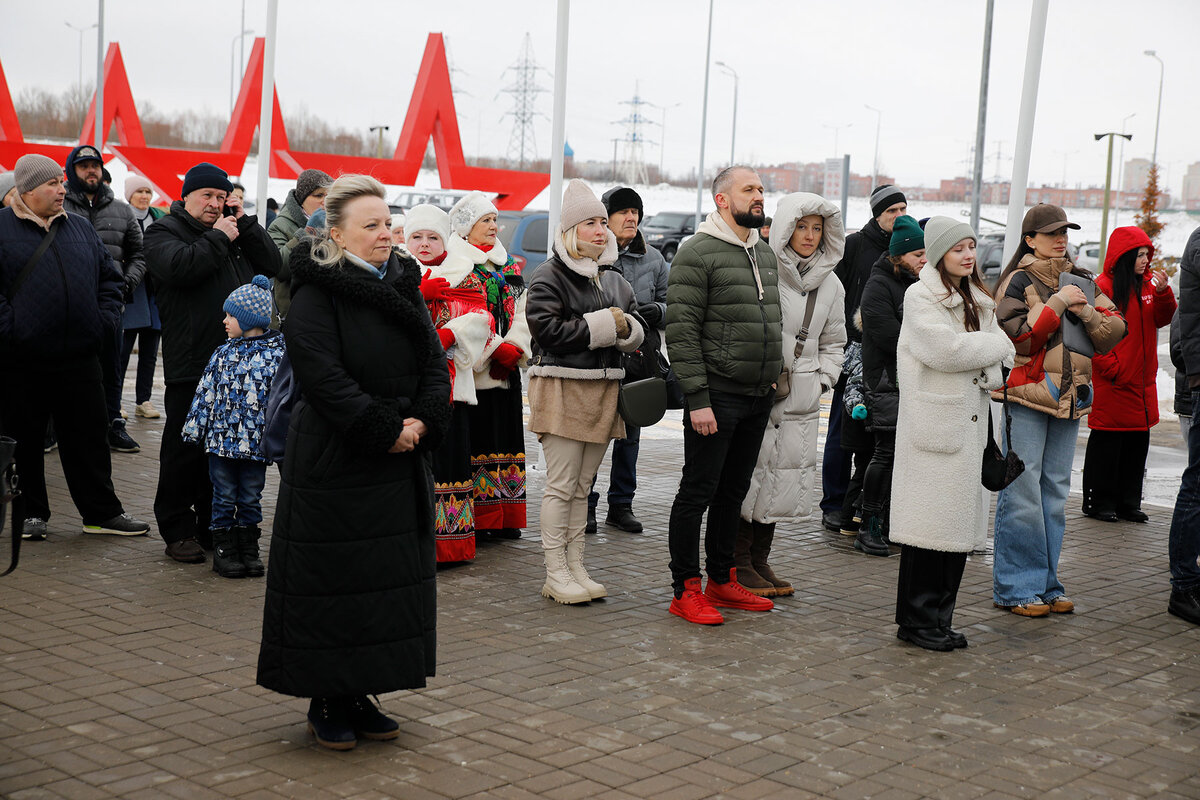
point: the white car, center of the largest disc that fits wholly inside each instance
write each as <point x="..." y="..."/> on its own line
<point x="1089" y="256"/>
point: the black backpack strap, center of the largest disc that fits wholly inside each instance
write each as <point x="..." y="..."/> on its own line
<point x="33" y="260"/>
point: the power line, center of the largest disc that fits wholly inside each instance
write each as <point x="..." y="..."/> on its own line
<point x="633" y="167"/>
<point x="522" y="147"/>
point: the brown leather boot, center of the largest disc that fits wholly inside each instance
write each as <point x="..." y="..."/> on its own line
<point x="760" y="547"/>
<point x="747" y="576"/>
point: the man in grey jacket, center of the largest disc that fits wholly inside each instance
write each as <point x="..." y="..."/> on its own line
<point x="646" y="271"/>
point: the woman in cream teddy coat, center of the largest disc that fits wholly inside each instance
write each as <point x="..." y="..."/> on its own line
<point x="948" y="358"/>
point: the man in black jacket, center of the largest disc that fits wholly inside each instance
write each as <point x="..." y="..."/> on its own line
<point x="56" y="311"/>
<point x="199" y="253"/>
<point x="1184" y="540"/>
<point x="863" y="249"/>
<point x="91" y="198"/>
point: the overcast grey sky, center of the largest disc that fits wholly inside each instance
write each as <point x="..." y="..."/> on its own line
<point x="804" y="67"/>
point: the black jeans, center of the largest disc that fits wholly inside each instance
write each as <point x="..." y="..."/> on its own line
<point x="147" y="360"/>
<point x="183" y="502"/>
<point x="927" y="588"/>
<point x="73" y="395"/>
<point x="110" y="363"/>
<point x="1113" y="468"/>
<point x="877" y="479"/>
<point x="835" y="462"/>
<point x="716" y="475"/>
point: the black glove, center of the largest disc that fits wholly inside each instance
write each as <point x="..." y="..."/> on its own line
<point x="652" y="313"/>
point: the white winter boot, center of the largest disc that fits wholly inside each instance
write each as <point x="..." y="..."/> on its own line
<point x="560" y="583"/>
<point x="575" y="564"/>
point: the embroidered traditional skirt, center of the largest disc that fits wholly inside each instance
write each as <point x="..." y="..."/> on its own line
<point x="498" y="458"/>
<point x="454" y="516"/>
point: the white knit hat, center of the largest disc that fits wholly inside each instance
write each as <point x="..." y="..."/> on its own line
<point x="468" y="211"/>
<point x="426" y="217"/>
<point x="941" y="234"/>
<point x="579" y="203"/>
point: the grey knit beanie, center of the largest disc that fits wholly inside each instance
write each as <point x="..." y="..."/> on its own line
<point x="941" y="234"/>
<point x="7" y="181"/>
<point x="33" y="169"/>
<point x="579" y="203"/>
<point x="884" y="197"/>
<point x="309" y="181"/>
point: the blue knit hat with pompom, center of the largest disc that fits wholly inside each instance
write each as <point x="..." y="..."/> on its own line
<point x="250" y="304"/>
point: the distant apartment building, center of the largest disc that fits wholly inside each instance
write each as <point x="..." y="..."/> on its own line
<point x="1137" y="173"/>
<point x="810" y="177"/>
<point x="1191" y="187"/>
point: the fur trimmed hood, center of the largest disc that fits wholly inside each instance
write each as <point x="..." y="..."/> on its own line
<point x="806" y="274"/>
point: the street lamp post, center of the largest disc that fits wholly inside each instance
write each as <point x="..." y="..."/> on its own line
<point x="733" y="136"/>
<point x="662" y="147"/>
<point x="80" y="31"/>
<point x="875" y="161"/>
<point x="1121" y="168"/>
<point x="1107" y="188"/>
<point x="836" y="129"/>
<point x="233" y="66"/>
<point x="1158" y="114"/>
<point x="379" y="147"/>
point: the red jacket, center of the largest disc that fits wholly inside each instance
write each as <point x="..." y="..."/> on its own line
<point x="1124" y="379"/>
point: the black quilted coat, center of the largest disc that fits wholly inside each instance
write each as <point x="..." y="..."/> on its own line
<point x="351" y="595"/>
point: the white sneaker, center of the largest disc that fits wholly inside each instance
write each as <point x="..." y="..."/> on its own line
<point x="147" y="410"/>
<point x="123" y="414"/>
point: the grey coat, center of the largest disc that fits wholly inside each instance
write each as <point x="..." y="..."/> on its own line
<point x="646" y="270"/>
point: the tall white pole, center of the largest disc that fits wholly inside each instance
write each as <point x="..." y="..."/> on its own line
<point x="558" y="136"/>
<point x="1121" y="171"/>
<point x="1158" y="114"/>
<point x="875" y="162"/>
<point x="1029" y="92"/>
<point x="266" y="114"/>
<point x="704" y="118"/>
<point x="100" y="81"/>
<point x="981" y="119"/>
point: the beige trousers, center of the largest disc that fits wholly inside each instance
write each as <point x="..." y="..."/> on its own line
<point x="570" y="468"/>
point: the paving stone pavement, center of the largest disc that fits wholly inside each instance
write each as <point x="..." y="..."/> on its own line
<point x="124" y="674"/>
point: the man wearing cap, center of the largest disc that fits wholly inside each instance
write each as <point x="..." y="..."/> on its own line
<point x="724" y="334"/>
<point x="646" y="270"/>
<point x="311" y="187"/>
<point x="199" y="253"/>
<point x="90" y="197"/>
<point x="57" y="309"/>
<point x="863" y="249"/>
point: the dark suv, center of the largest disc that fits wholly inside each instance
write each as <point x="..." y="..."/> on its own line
<point x="667" y="230"/>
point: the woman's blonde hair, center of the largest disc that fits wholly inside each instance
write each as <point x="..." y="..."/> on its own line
<point x="570" y="240"/>
<point x="327" y="252"/>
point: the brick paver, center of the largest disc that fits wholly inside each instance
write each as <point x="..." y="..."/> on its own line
<point x="125" y="674"/>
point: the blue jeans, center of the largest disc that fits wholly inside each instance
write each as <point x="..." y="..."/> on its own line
<point x="1184" y="541"/>
<point x="622" y="480"/>
<point x="716" y="476"/>
<point x="237" y="491"/>
<point x="1031" y="513"/>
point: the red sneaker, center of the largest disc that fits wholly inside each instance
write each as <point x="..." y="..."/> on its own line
<point x="694" y="606"/>
<point x="734" y="595"/>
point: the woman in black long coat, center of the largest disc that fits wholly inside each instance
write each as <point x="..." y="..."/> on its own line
<point x="351" y="597"/>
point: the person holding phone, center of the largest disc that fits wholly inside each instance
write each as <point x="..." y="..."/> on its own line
<point x="1126" y="406"/>
<point x="1050" y="389"/>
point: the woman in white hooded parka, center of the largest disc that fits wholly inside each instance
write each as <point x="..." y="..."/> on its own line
<point x="808" y="239"/>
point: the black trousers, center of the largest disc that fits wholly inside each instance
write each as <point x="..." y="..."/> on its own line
<point x="73" y="395"/>
<point x="851" y="500"/>
<point x="835" y="462"/>
<point x="877" y="478"/>
<point x="1113" y="468"/>
<point x="927" y="588"/>
<point x="110" y="364"/>
<point x="147" y="360"/>
<point x="716" y="476"/>
<point x="183" y="502"/>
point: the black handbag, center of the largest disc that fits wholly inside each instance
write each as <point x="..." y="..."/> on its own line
<point x="643" y="403"/>
<point x="1000" y="469"/>
<point x="9" y="493"/>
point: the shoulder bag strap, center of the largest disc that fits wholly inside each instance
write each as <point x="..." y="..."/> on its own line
<point x="33" y="260"/>
<point x="809" y="309"/>
<point x="1007" y="417"/>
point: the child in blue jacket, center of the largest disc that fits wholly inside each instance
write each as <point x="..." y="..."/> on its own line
<point x="228" y="416"/>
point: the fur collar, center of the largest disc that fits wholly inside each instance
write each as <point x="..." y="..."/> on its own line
<point x="460" y="261"/>
<point x="497" y="255"/>
<point x="586" y="267"/>
<point x="25" y="212"/>
<point x="396" y="296"/>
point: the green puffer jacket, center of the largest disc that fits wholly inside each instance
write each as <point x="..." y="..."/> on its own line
<point x="723" y="316"/>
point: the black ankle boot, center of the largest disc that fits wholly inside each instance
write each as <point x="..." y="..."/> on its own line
<point x="622" y="517"/>
<point x="329" y="721"/>
<point x="369" y="722"/>
<point x="870" y="539"/>
<point x="591" y="520"/>
<point x="247" y="543"/>
<point x="227" y="562"/>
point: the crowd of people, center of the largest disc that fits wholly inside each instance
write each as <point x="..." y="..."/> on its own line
<point x="391" y="348"/>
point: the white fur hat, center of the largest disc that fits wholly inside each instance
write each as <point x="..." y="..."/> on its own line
<point x="426" y="217"/>
<point x="468" y="211"/>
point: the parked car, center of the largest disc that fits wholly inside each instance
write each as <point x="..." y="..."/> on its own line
<point x="989" y="254"/>
<point x="667" y="230"/>
<point x="523" y="234"/>
<point x="1089" y="256"/>
<point x="442" y="198"/>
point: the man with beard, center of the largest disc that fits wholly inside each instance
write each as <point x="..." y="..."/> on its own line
<point x="863" y="249"/>
<point x="724" y="339"/>
<point x="91" y="198"/>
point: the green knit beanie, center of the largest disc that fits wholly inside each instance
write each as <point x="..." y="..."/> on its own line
<point x="907" y="236"/>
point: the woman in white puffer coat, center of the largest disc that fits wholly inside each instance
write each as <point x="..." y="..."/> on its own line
<point x="948" y="359"/>
<point x="808" y="238"/>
